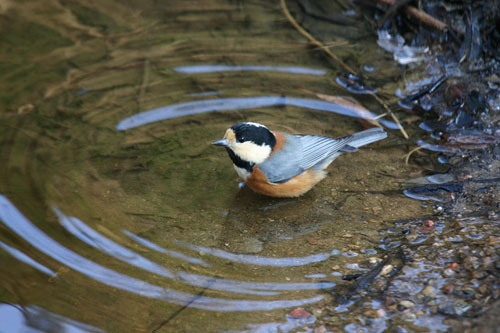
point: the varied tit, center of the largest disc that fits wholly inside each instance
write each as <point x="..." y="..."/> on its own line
<point x="279" y="164"/>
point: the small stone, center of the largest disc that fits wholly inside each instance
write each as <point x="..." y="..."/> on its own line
<point x="471" y="263"/>
<point x="409" y="316"/>
<point x="448" y="272"/>
<point x="429" y="291"/>
<point x="420" y="313"/>
<point x="392" y="308"/>
<point x="457" y="308"/>
<point x="407" y="304"/>
<point x="411" y="237"/>
<point x="448" y="289"/>
<point x="492" y="214"/>
<point x="312" y="241"/>
<point x="371" y="314"/>
<point x="25" y="108"/>
<point x="320" y="329"/>
<point x="299" y="313"/>
<point x="386" y="269"/>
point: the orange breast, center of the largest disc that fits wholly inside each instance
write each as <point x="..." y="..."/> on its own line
<point x="294" y="187"/>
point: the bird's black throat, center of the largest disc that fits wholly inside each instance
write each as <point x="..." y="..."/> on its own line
<point x="248" y="166"/>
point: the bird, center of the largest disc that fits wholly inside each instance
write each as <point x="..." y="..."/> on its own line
<point x="279" y="164"/>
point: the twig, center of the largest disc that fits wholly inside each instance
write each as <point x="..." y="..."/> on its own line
<point x="393" y="116"/>
<point x="407" y="156"/>
<point x="312" y="39"/>
<point x="420" y="15"/>
<point x="429" y="89"/>
<point x="338" y="60"/>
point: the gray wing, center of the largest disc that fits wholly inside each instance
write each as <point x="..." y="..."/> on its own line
<point x="285" y="163"/>
<point x="303" y="152"/>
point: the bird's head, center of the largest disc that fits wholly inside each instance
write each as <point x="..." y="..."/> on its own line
<point x="249" y="142"/>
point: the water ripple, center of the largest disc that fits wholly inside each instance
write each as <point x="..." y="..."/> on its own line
<point x="88" y="235"/>
<point x="174" y="254"/>
<point x="258" y="260"/>
<point x="18" y="223"/>
<point x="225" y="68"/>
<point x="18" y="318"/>
<point x="238" y="103"/>
<point x="24" y="258"/>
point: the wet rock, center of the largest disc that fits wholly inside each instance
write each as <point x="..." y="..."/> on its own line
<point x="391" y="304"/>
<point x="448" y="289"/>
<point x="409" y="316"/>
<point x="320" y="329"/>
<point x="299" y="313"/>
<point x="373" y="261"/>
<point x="464" y="292"/>
<point x="429" y="291"/>
<point x="479" y="275"/>
<point x="386" y="270"/>
<point x="492" y="215"/>
<point x="448" y="272"/>
<point x="371" y="313"/>
<point x="381" y="313"/>
<point x="457" y="308"/>
<point x="471" y="263"/>
<point x="405" y="304"/>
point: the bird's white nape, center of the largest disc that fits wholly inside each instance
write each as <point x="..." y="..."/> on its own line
<point x="254" y="124"/>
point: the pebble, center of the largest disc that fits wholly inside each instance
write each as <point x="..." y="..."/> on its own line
<point x="429" y="291"/>
<point x="409" y="316"/>
<point x="299" y="313"/>
<point x="407" y="304"/>
<point x="374" y="261"/>
<point x="386" y="269"/>
<point x="371" y="314"/>
<point x="320" y="329"/>
<point x="448" y="272"/>
<point x="457" y="308"/>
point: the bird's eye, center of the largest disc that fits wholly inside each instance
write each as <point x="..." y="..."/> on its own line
<point x="241" y="139"/>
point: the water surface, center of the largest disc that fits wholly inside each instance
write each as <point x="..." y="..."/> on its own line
<point x="116" y="212"/>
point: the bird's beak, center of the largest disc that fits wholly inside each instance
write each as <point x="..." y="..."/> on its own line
<point x="221" y="142"/>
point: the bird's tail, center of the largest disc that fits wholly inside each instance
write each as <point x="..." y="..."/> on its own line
<point x="366" y="137"/>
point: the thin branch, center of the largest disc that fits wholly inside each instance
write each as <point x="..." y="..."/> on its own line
<point x="407" y="156"/>
<point x="312" y="39"/>
<point x="420" y="15"/>
<point x="393" y="116"/>
<point x="319" y="44"/>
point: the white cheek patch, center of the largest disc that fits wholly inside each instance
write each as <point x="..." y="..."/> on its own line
<point x="249" y="151"/>
<point x="242" y="173"/>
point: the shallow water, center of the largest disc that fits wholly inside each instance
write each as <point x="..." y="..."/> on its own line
<point x="118" y="214"/>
